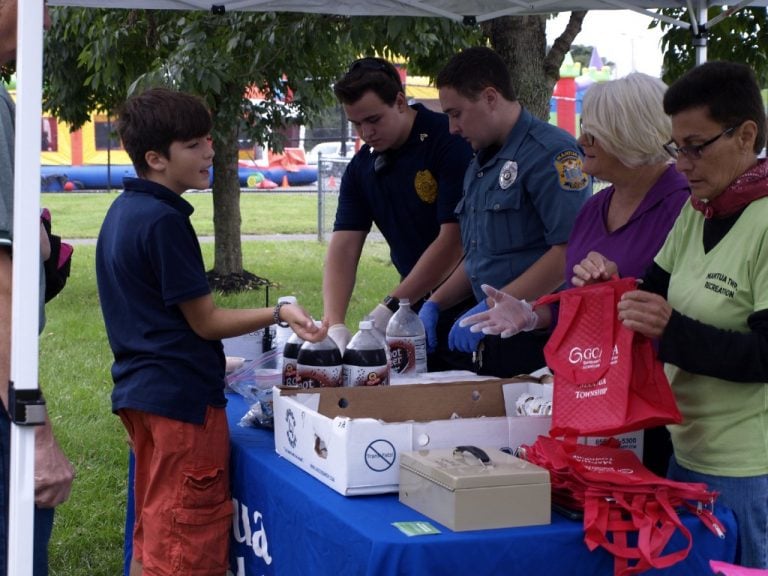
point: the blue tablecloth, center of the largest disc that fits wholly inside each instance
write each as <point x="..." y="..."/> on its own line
<point x="289" y="523"/>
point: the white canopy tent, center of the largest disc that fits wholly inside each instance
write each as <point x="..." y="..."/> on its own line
<point x="458" y="10"/>
<point x="24" y="360"/>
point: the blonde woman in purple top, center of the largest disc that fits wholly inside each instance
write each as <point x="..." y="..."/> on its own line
<point x="623" y="130"/>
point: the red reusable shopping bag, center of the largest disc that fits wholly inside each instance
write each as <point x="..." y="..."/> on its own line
<point x="628" y="510"/>
<point x="607" y="379"/>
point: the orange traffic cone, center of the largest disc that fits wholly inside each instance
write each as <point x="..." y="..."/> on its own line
<point x="285" y="182"/>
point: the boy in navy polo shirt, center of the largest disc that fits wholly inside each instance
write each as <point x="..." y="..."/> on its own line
<point x="165" y="333"/>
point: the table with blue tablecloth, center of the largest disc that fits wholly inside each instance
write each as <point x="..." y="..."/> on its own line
<point x="289" y="523"/>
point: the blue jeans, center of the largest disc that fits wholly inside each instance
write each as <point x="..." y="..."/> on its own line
<point x="43" y="516"/>
<point x="748" y="498"/>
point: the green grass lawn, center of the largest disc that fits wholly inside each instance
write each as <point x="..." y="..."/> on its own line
<point x="79" y="214"/>
<point x="75" y="358"/>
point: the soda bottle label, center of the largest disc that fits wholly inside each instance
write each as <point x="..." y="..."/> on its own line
<point x="290" y="353"/>
<point x="318" y="376"/>
<point x="290" y="376"/>
<point x="366" y="375"/>
<point x="407" y="355"/>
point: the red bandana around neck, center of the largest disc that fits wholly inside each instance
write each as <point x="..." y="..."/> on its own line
<point x="748" y="187"/>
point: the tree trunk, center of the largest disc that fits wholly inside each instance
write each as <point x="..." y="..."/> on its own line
<point x="228" y="253"/>
<point x="522" y="43"/>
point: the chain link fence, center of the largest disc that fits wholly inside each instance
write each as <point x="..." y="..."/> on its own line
<point x="329" y="173"/>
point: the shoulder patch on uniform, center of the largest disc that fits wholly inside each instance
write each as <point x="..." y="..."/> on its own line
<point x="426" y="186"/>
<point x="569" y="170"/>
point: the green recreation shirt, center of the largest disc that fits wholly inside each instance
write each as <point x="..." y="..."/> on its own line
<point x="725" y="424"/>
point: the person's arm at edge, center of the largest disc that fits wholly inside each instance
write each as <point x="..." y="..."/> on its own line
<point x="53" y="472"/>
<point x="436" y="264"/>
<point x="6" y="282"/>
<point x="340" y="272"/>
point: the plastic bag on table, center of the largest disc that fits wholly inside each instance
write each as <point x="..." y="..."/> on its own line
<point x="254" y="381"/>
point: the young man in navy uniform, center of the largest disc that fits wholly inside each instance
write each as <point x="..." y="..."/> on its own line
<point x="406" y="179"/>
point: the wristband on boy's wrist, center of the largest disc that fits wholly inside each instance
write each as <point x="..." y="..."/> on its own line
<point x="276" y="315"/>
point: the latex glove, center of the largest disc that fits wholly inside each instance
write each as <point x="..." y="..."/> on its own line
<point x="508" y="317"/>
<point x="428" y="315"/>
<point x="380" y="316"/>
<point x="340" y="334"/>
<point x="463" y="339"/>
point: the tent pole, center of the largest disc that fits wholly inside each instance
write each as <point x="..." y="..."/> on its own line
<point x="26" y="408"/>
<point x="699" y="30"/>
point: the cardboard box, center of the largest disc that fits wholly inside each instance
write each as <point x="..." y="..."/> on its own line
<point x="352" y="438"/>
<point x="471" y="490"/>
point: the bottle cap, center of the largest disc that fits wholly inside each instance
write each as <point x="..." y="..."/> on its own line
<point x="287" y="299"/>
<point x="365" y="325"/>
<point x="405" y="302"/>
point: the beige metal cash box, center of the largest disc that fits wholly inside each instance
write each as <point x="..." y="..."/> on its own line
<point x="469" y="488"/>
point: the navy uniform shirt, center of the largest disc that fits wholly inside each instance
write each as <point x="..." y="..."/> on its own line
<point x="410" y="197"/>
<point x="148" y="261"/>
<point x="520" y="202"/>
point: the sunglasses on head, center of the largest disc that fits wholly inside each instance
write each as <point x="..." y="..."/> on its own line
<point x="375" y="64"/>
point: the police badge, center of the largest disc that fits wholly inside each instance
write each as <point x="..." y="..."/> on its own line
<point x="508" y="174"/>
<point x="426" y="186"/>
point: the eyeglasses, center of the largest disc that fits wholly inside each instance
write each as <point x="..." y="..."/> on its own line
<point x="589" y="138"/>
<point x="693" y="151"/>
<point x="377" y="64"/>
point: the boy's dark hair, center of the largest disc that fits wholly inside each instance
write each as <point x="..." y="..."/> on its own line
<point x="473" y="70"/>
<point x="729" y="91"/>
<point x="154" y="119"/>
<point x="369" y="75"/>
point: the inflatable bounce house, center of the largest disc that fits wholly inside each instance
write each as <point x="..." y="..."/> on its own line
<point x="565" y="105"/>
<point x="92" y="158"/>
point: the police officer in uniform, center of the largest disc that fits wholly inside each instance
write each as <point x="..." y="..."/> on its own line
<point x="406" y="179"/>
<point x="522" y="192"/>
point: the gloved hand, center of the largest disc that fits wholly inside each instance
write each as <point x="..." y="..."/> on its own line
<point x="340" y="334"/>
<point x="428" y="316"/>
<point x="463" y="339"/>
<point x="508" y="316"/>
<point x="380" y="316"/>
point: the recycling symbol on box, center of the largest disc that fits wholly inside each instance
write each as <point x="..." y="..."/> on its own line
<point x="290" y="419"/>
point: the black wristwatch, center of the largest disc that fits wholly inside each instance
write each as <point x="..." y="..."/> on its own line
<point x="391" y="302"/>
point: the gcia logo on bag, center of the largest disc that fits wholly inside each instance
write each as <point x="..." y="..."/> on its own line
<point x="586" y="355"/>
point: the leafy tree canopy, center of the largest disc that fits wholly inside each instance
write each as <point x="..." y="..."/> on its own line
<point x="94" y="58"/>
<point x="740" y="37"/>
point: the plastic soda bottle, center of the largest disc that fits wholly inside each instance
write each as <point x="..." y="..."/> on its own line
<point x="365" y="359"/>
<point x="407" y="342"/>
<point x="290" y="360"/>
<point x="319" y="364"/>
